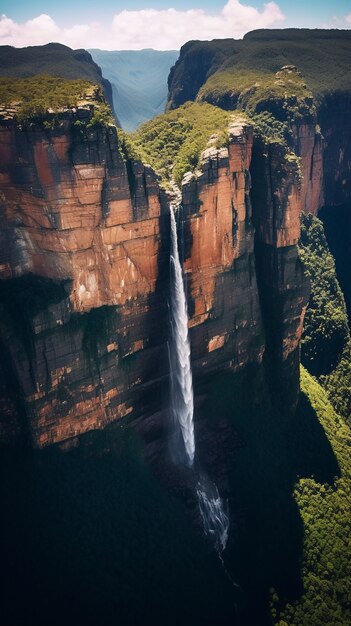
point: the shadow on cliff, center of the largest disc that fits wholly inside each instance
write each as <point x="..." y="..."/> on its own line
<point x="337" y="227"/>
<point x="265" y="549"/>
<point x="89" y="537"/>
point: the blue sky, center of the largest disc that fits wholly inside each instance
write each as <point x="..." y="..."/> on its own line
<point x="113" y="24"/>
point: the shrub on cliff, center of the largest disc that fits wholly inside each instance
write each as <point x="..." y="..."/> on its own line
<point x="33" y="97"/>
<point x="172" y="143"/>
<point x="102" y="116"/>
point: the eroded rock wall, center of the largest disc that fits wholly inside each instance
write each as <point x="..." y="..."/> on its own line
<point x="278" y="197"/>
<point x="225" y="317"/>
<point x="82" y="318"/>
<point x="85" y="275"/>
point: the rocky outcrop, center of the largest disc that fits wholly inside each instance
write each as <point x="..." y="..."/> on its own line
<point x="85" y="276"/>
<point x="73" y="210"/>
<point x="225" y="317"/>
<point x="308" y="144"/>
<point x="247" y="290"/>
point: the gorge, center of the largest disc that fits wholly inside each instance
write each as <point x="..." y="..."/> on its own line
<point x="113" y="322"/>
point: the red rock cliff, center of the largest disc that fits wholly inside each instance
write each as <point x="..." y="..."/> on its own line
<point x="85" y="269"/>
<point x="74" y="213"/>
<point x="225" y="316"/>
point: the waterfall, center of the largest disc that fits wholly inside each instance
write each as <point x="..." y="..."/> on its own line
<point x="214" y="517"/>
<point x="182" y="399"/>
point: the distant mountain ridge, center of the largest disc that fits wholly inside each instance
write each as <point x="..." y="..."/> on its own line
<point x="139" y="82"/>
<point x="213" y="71"/>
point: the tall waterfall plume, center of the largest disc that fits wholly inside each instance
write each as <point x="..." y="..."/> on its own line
<point x="214" y="517"/>
<point x="182" y="398"/>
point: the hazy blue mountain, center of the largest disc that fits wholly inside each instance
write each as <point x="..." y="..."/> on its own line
<point x="139" y="82"/>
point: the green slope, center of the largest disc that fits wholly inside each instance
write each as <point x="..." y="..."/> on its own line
<point x="326" y="514"/>
<point x="290" y="508"/>
<point x="53" y="59"/>
<point x="172" y="142"/>
<point x="322" y="56"/>
<point x="326" y="343"/>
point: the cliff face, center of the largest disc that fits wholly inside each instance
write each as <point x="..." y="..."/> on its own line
<point x="278" y="198"/>
<point x="80" y="231"/>
<point x="85" y="275"/>
<point x="243" y="74"/>
<point x="72" y="210"/>
<point x="225" y="317"/>
<point x="195" y="63"/>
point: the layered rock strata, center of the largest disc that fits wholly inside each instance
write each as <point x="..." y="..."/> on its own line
<point x="80" y="231"/>
<point x="85" y="276"/>
<point x="225" y="317"/>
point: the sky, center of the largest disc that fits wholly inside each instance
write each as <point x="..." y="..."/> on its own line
<point x="159" y="24"/>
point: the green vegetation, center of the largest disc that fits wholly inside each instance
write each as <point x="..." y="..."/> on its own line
<point x="270" y="129"/>
<point x="338" y="384"/>
<point x="40" y="96"/>
<point x="326" y="328"/>
<point x="102" y="116"/>
<point x="54" y="59"/>
<point x="33" y="97"/>
<point x="321" y="56"/>
<point x="325" y="510"/>
<point x="283" y="94"/>
<point x="326" y="344"/>
<point x="291" y="504"/>
<point x="130" y="149"/>
<point x="172" y="143"/>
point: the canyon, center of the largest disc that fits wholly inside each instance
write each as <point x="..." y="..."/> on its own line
<point x="85" y="257"/>
<point x="85" y="243"/>
<point x="139" y="82"/>
<point x="86" y="311"/>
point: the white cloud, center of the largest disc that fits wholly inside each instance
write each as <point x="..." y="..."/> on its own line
<point x="339" y="22"/>
<point x="37" y="31"/>
<point x="171" y="28"/>
<point x="148" y="28"/>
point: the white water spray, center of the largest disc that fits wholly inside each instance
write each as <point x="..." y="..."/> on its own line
<point x="214" y="517"/>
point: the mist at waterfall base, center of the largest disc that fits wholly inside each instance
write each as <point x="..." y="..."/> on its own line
<point x="214" y="516"/>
